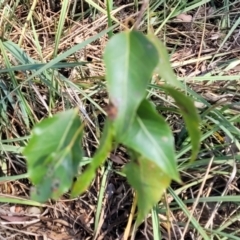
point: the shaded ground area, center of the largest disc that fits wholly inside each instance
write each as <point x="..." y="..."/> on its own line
<point x="204" y="46"/>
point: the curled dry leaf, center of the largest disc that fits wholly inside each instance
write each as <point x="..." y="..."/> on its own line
<point x="184" y="17"/>
<point x="210" y="11"/>
<point x="78" y="39"/>
<point x="182" y="54"/>
<point x="33" y="211"/>
<point x="15" y="218"/>
<point x="215" y="36"/>
<point x="16" y="210"/>
<point x="111" y="111"/>
<point x="116" y="159"/>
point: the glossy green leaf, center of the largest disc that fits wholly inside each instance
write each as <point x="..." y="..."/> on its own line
<point x="101" y="155"/>
<point x="53" y="155"/>
<point x="149" y="182"/>
<point x="190" y="116"/>
<point x="130" y="59"/>
<point x="151" y="136"/>
<point x="164" y="68"/>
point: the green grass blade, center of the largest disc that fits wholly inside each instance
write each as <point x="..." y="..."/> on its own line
<point x="156" y="224"/>
<point x="11" y="199"/>
<point x="109" y="9"/>
<point x="101" y="197"/>
<point x="230" y="32"/>
<point x="64" y="55"/>
<point x="183" y="207"/>
<point x="61" y="22"/>
<point x="37" y="66"/>
<point x="13" y="178"/>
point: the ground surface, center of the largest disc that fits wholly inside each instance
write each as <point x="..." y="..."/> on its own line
<point x="203" y="40"/>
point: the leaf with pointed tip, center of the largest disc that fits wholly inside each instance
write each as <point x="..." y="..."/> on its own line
<point x="149" y="182"/>
<point x="164" y="68"/>
<point x="130" y="59"/>
<point x="190" y="116"/>
<point x="101" y="155"/>
<point x="53" y="154"/>
<point x="151" y="136"/>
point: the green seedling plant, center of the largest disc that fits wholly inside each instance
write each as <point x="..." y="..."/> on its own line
<point x="54" y="151"/>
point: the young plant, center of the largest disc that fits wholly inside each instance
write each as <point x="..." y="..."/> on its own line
<point x="54" y="151"/>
